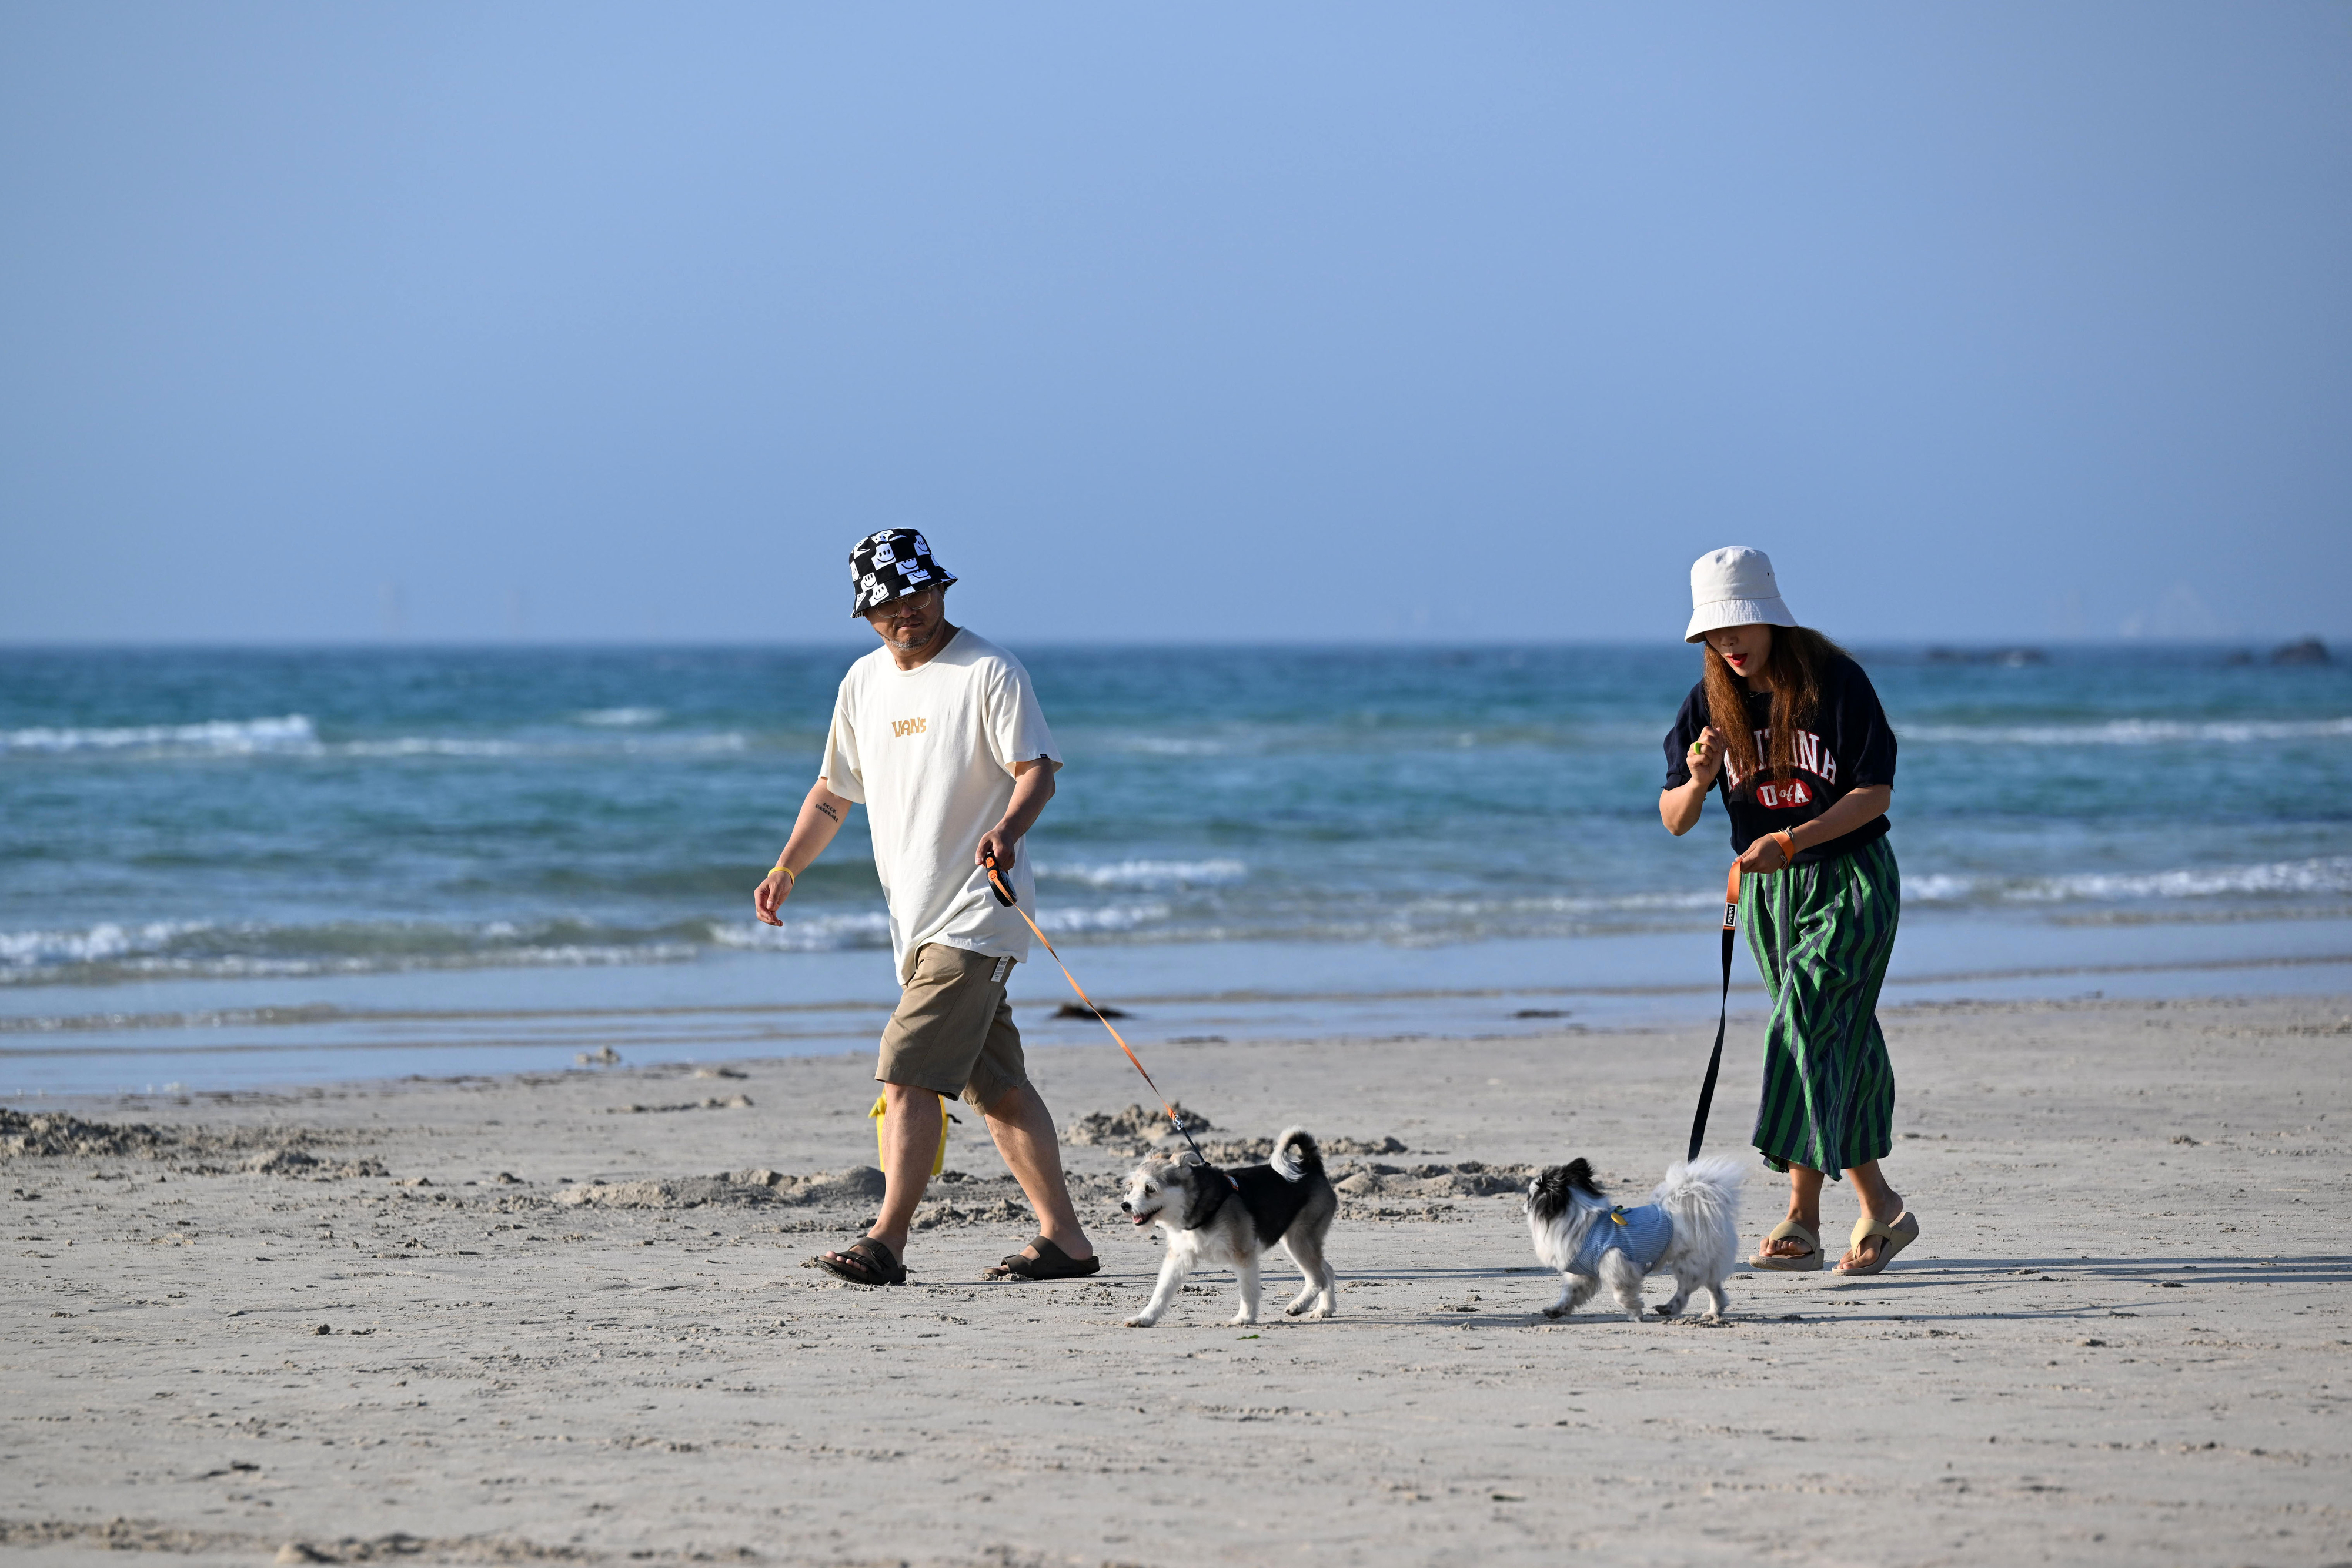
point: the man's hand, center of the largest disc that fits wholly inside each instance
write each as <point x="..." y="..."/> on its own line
<point x="1001" y="844"/>
<point x="1033" y="786"/>
<point x="1706" y="756"/>
<point x="820" y="819"/>
<point x="773" y="889"/>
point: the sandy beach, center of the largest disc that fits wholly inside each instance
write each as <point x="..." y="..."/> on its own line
<point x="566" y="1317"/>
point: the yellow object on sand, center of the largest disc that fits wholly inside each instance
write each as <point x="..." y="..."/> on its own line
<point x="881" y="1156"/>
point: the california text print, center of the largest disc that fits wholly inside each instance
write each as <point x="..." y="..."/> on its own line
<point x="1787" y="794"/>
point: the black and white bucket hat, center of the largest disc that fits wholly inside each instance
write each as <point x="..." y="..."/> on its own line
<point x="890" y="565"/>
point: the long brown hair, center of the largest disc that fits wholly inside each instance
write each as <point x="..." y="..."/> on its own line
<point x="1801" y="657"/>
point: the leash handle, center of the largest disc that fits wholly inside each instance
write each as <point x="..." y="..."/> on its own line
<point x="998" y="886"/>
<point x="1722" y="1016"/>
<point x="1003" y="892"/>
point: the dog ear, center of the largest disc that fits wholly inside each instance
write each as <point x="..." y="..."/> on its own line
<point x="1578" y="1175"/>
<point x="1547" y="1193"/>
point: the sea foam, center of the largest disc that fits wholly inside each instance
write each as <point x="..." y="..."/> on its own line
<point x="221" y="737"/>
<point x="1147" y="874"/>
<point x="2325" y="875"/>
<point x="2134" y="732"/>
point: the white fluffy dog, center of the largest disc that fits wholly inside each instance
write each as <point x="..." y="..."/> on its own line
<point x="1688" y="1229"/>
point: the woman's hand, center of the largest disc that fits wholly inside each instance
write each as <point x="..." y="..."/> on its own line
<point x="773" y="889"/>
<point x="1855" y="809"/>
<point x="1679" y="806"/>
<point x="1706" y="756"/>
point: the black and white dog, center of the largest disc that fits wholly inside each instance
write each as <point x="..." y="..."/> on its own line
<point x="1688" y="1229"/>
<point x="1214" y="1216"/>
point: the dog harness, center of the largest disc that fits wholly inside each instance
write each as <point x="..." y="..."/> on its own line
<point x="1642" y="1233"/>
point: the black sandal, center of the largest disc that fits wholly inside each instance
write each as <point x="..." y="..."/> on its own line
<point x="867" y="1261"/>
<point x="1051" y="1263"/>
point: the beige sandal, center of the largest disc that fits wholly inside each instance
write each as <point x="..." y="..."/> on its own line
<point x="1892" y="1239"/>
<point x="1806" y="1262"/>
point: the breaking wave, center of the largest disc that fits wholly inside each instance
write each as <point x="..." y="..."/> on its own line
<point x="1196" y="909"/>
<point x="2278" y="879"/>
<point x="219" y="738"/>
<point x="201" y="950"/>
<point x="1148" y="874"/>
<point x="832" y="932"/>
<point x="297" y="735"/>
<point x="445" y="746"/>
<point x="2134" y="732"/>
<point x="1112" y="918"/>
<point x="98" y="944"/>
<point x="804" y="934"/>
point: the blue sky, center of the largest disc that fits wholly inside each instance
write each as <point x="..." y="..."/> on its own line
<point x="1470" y="322"/>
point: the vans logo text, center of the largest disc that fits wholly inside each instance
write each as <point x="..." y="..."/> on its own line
<point x="905" y="726"/>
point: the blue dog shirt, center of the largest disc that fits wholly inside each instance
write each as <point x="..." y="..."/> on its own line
<point x="1642" y="1233"/>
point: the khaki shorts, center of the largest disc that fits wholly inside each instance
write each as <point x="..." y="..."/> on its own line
<point x="953" y="1032"/>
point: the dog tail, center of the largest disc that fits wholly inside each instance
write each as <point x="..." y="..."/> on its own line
<point x="1296" y="1155"/>
<point x="1703" y="1195"/>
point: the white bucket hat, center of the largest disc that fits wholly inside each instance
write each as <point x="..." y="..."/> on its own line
<point x="1734" y="587"/>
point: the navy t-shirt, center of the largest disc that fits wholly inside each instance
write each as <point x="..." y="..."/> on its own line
<point x="1850" y="744"/>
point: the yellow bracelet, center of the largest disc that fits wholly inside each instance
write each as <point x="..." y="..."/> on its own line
<point x="780" y="867"/>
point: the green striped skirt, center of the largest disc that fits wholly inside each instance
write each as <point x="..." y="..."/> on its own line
<point x="1821" y="936"/>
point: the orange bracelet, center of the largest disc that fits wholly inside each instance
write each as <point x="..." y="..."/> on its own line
<point x="1787" y="848"/>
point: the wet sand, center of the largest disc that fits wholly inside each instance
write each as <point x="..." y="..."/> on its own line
<point x="565" y="1317"/>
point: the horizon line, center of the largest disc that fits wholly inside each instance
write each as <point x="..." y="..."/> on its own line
<point x="583" y="644"/>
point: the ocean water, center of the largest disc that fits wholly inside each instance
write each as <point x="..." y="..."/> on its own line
<point x="192" y="830"/>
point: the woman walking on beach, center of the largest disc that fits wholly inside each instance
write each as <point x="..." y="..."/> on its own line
<point x="1787" y="724"/>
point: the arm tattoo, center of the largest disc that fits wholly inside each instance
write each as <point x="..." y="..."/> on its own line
<point x="826" y="807"/>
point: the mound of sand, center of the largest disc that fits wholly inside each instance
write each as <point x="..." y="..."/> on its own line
<point x="1471" y="1178"/>
<point x="857" y="1184"/>
<point x="944" y="1214"/>
<point x="55" y="1134"/>
<point x="1258" y="1150"/>
<point x="271" y="1151"/>
<point x="310" y="1168"/>
<point x="1133" y="1131"/>
<point x="1136" y="1131"/>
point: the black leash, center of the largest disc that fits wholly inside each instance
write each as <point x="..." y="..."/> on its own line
<point x="1723" y="1016"/>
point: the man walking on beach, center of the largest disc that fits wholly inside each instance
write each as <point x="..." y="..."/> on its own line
<point x="938" y="733"/>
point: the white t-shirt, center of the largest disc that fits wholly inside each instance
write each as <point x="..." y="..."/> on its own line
<point x="930" y="751"/>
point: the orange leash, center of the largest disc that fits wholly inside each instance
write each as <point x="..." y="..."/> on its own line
<point x="1003" y="892"/>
